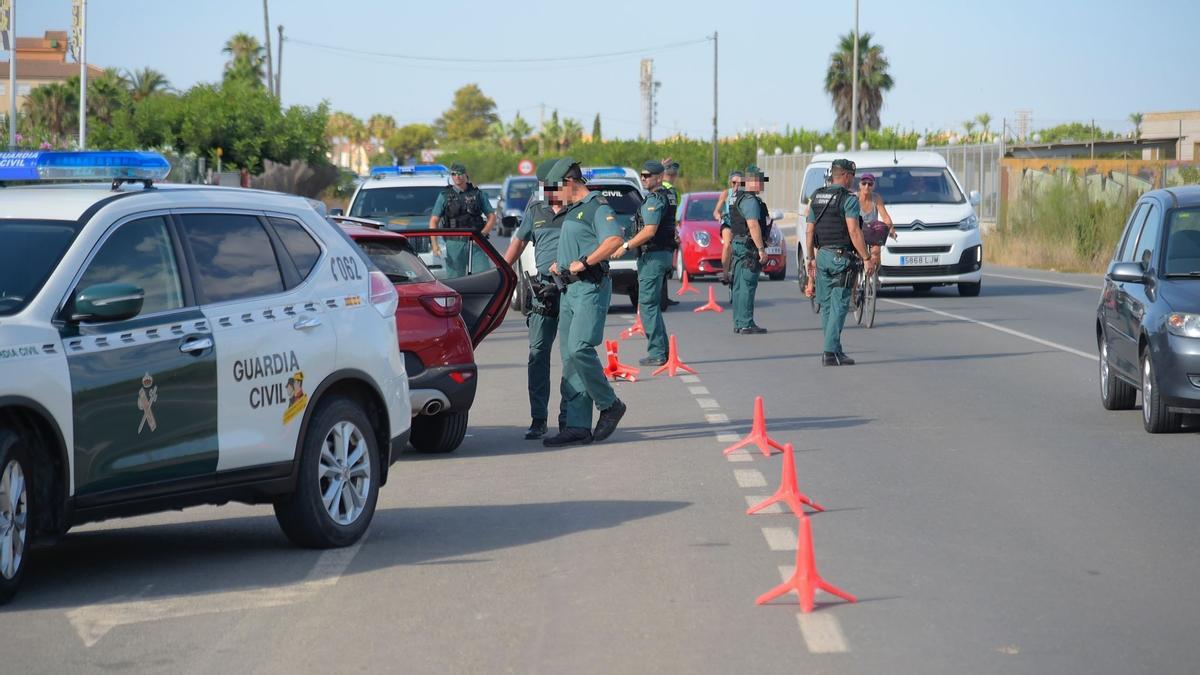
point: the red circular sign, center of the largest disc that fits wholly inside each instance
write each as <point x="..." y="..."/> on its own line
<point x="525" y="167"/>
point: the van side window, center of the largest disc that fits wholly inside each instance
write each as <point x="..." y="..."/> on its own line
<point x="814" y="179"/>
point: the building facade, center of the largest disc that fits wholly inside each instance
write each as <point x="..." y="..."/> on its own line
<point x="40" y="61"/>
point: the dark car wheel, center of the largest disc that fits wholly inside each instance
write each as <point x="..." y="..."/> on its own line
<point x="969" y="290"/>
<point x="337" y="482"/>
<point x="442" y="432"/>
<point x="16" y="505"/>
<point x="1115" y="393"/>
<point x="1155" y="416"/>
<point x="777" y="276"/>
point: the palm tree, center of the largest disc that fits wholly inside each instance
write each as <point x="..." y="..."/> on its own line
<point x="572" y="132"/>
<point x="145" y="83"/>
<point x="340" y="124"/>
<point x="55" y="108"/>
<point x="969" y="127"/>
<point x="518" y="133"/>
<point x="497" y="135"/>
<point x="873" y="80"/>
<point x="246" y="58"/>
<point x="381" y="126"/>
<point x="985" y="121"/>
<point x="107" y="93"/>
<point x="552" y="133"/>
<point x="1136" y="119"/>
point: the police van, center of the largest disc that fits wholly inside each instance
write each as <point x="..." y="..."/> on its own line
<point x="401" y="198"/>
<point x="168" y="346"/>
<point x="938" y="241"/>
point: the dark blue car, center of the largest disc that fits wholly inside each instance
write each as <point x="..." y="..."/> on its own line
<point x="1148" y="322"/>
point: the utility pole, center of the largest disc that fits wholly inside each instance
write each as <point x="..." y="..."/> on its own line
<point x="267" y="33"/>
<point x="1093" y="148"/>
<point x="854" y="87"/>
<point x="714" y="148"/>
<point x="279" y="68"/>
<point x="81" y="7"/>
<point x="542" y="130"/>
<point x="10" y="9"/>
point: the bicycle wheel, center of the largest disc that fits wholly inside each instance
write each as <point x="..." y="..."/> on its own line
<point x="869" y="300"/>
<point x="856" y="297"/>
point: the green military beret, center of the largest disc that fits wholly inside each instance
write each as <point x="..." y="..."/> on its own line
<point x="753" y="171"/>
<point x="458" y="168"/>
<point x="653" y="166"/>
<point x="543" y="169"/>
<point x="559" y="171"/>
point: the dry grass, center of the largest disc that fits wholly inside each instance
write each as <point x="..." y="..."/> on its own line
<point x="1011" y="250"/>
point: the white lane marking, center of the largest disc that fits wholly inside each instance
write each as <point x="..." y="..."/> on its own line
<point x="689" y="379"/>
<point x="698" y="391"/>
<point x="1002" y="329"/>
<point x="1052" y="282"/>
<point x="755" y="500"/>
<point x="728" y="438"/>
<point x="93" y="622"/>
<point x="717" y="418"/>
<point x="740" y="456"/>
<point x="780" y="538"/>
<point x="749" y="478"/>
<point x="708" y="403"/>
<point x="822" y="632"/>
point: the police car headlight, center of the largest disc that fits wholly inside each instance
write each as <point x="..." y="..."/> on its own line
<point x="702" y="238"/>
<point x="1184" y="325"/>
<point x="969" y="223"/>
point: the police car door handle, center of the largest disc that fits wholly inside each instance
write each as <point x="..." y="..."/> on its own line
<point x="306" y="323"/>
<point x="196" y="345"/>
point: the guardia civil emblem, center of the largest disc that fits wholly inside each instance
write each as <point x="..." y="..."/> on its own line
<point x="147" y="397"/>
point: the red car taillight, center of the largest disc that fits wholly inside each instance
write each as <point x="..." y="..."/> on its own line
<point x="383" y="294"/>
<point x="442" y="305"/>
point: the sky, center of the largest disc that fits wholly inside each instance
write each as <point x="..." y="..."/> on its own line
<point x="1065" y="60"/>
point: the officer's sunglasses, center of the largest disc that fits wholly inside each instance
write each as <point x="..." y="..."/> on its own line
<point x="457" y="173"/>
<point x="647" y="175"/>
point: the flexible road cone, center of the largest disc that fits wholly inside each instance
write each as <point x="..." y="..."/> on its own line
<point x="673" y="363"/>
<point x="806" y="581"/>
<point x="789" y="493"/>
<point x="615" y="370"/>
<point x="712" y="305"/>
<point x="686" y="286"/>
<point x="758" y="433"/>
<point x="636" y="329"/>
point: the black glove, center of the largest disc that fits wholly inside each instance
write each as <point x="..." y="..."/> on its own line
<point x="723" y="277"/>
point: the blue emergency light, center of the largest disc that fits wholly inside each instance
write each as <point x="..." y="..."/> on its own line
<point x="408" y="170"/>
<point x="83" y="165"/>
<point x="602" y="171"/>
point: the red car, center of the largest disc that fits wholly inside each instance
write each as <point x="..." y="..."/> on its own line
<point x="700" y="240"/>
<point x="439" y="323"/>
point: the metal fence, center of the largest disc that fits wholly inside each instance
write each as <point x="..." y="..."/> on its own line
<point x="977" y="168"/>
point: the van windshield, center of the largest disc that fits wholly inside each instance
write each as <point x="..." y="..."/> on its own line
<point x="391" y="202"/>
<point x="914" y="185"/>
<point x="29" y="252"/>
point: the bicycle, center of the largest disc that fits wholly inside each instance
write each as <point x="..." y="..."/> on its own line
<point x="866" y="291"/>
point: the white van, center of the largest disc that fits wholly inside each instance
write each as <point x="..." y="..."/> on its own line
<point x="938" y="240"/>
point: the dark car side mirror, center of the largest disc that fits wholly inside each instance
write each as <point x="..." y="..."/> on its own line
<point x="108" y="302"/>
<point x="337" y="212"/>
<point x="509" y="222"/>
<point x="1131" y="272"/>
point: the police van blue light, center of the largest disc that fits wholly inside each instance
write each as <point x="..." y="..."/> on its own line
<point x="408" y="170"/>
<point x="83" y="165"/>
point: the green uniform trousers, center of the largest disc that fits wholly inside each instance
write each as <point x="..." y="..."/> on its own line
<point x="542" y="330"/>
<point x="833" y="296"/>
<point x="581" y="316"/>
<point x="463" y="257"/>
<point x="652" y="278"/>
<point x="743" y="285"/>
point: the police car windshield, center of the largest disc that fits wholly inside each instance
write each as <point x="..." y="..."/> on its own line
<point x="624" y="199"/>
<point x="914" y="185"/>
<point x="29" y="252"/>
<point x="700" y="208"/>
<point x="403" y="201"/>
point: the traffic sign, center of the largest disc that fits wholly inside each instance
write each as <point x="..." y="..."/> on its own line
<point x="428" y="156"/>
<point x="525" y="167"/>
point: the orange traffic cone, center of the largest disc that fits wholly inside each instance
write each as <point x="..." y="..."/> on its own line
<point x="712" y="305"/>
<point x="615" y="370"/>
<point x="806" y="581"/>
<point x="636" y="329"/>
<point x="673" y="363"/>
<point x="758" y="433"/>
<point x="789" y="493"/>
<point x="686" y="286"/>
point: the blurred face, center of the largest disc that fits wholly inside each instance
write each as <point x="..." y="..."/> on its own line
<point x="753" y="184"/>
<point x="840" y="176"/>
<point x="459" y="178"/>
<point x="552" y="195"/>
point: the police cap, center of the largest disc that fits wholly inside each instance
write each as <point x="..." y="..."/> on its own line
<point x="458" y="167"/>
<point x="753" y="171"/>
<point x="543" y="169"/>
<point x="561" y="169"/>
<point x="845" y="165"/>
<point x="653" y="167"/>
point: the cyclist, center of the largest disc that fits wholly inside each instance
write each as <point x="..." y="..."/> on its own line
<point x="877" y="223"/>
<point x="728" y="197"/>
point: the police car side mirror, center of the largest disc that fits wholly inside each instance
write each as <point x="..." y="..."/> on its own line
<point x="509" y="222"/>
<point x="108" y="302"/>
<point x="337" y="212"/>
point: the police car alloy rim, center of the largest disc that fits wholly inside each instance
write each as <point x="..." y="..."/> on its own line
<point x="345" y="473"/>
<point x="13" y="519"/>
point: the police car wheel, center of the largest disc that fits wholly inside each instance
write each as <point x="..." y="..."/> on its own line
<point x="442" y="432"/>
<point x="338" y="479"/>
<point x="16" y="498"/>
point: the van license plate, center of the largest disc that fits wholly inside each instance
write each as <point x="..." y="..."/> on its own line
<point x="774" y="250"/>
<point x="918" y="260"/>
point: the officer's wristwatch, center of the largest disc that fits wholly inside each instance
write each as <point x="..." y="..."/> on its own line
<point x="625" y="246"/>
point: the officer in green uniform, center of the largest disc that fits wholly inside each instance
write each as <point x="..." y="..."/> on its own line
<point x="590" y="235"/>
<point x="834" y="233"/>
<point x="744" y="254"/>
<point x="539" y="227"/>
<point x="462" y="205"/>
<point x="654" y="243"/>
<point x="670" y="174"/>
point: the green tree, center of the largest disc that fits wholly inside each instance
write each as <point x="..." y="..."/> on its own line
<point x="1073" y="131"/>
<point x="873" y="80"/>
<point x="342" y="124"/>
<point x="409" y="140"/>
<point x="145" y="83"/>
<point x="985" y="123"/>
<point x="108" y="93"/>
<point x="968" y="127"/>
<point x="381" y="126"/>
<point x="52" y="113"/>
<point x="469" y="116"/>
<point x="596" y="136"/>
<point x="518" y="133"/>
<point x="497" y="135"/>
<point x="1136" y="120"/>
<point x="572" y="132"/>
<point x="246" y="60"/>
<point x="552" y="132"/>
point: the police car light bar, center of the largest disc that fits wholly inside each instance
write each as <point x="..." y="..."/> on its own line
<point x="83" y="165"/>
<point x="601" y="171"/>
<point x="408" y="170"/>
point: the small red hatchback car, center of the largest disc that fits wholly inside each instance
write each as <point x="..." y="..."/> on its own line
<point x="700" y="240"/>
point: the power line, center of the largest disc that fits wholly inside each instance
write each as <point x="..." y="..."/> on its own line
<point x="446" y="59"/>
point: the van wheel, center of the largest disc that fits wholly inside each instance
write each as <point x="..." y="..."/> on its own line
<point x="16" y="503"/>
<point x="1156" y="418"/>
<point x="1115" y="393"/>
<point x="442" y="432"/>
<point x="969" y="290"/>
<point x="922" y="288"/>
<point x="337" y="484"/>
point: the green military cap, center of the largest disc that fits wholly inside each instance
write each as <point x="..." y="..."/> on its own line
<point x="753" y="171"/>
<point x="559" y="171"/>
<point x="458" y="167"/>
<point x="543" y="169"/>
<point x="673" y="167"/>
<point x="845" y="165"/>
<point x="653" y="166"/>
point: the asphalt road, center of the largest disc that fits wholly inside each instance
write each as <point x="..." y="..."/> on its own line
<point x="987" y="512"/>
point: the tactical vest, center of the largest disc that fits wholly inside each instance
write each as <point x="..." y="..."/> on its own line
<point x="737" y="222"/>
<point x="463" y="209"/>
<point x="664" y="234"/>
<point x="830" y="223"/>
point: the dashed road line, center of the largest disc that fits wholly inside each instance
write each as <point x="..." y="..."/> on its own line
<point x="740" y="456"/>
<point x="749" y="478"/>
<point x="689" y="379"/>
<point x="708" y="403"/>
<point x="728" y="438"/>
<point x="821" y="630"/>
<point x="698" y="391"/>
<point x="780" y="538"/>
<point x="717" y="418"/>
<point x="755" y="500"/>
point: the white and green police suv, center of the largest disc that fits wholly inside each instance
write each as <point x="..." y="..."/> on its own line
<point x="167" y="346"/>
